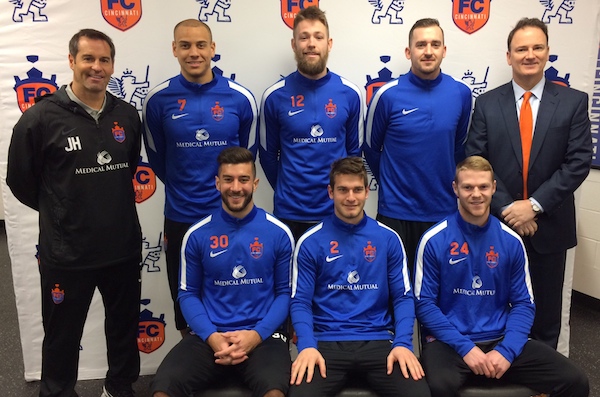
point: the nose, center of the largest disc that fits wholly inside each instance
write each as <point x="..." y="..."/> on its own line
<point x="428" y="50"/>
<point x="96" y="65"/>
<point x="530" y="53"/>
<point x="236" y="186"/>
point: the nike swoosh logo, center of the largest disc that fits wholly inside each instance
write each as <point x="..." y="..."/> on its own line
<point x="178" y="116"/>
<point x="405" y="112"/>
<point x="332" y="258"/>
<point x="455" y="261"/>
<point x="213" y="253"/>
<point x="69" y="131"/>
<point x="295" y="112"/>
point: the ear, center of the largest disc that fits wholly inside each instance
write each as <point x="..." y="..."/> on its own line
<point x="213" y="49"/>
<point x="455" y="188"/>
<point x="174" y="47"/>
<point x="330" y="191"/>
<point x="71" y="61"/>
<point x="407" y="52"/>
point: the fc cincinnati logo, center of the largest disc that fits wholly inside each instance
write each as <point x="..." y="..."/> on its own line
<point x="331" y="109"/>
<point x="470" y="15"/>
<point x="33" y="86"/>
<point x="370" y="252"/>
<point x="118" y="132"/>
<point x="217" y="112"/>
<point x="383" y="76"/>
<point x="121" y="14"/>
<point x="256" y="249"/>
<point x="58" y="295"/>
<point x="289" y="9"/>
<point x="151" y="330"/>
<point x="491" y="258"/>
<point x="144" y="182"/>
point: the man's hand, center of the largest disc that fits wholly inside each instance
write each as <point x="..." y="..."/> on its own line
<point x="518" y="213"/>
<point x="479" y="363"/>
<point x="222" y="348"/>
<point x="245" y="340"/>
<point x="527" y="229"/>
<point x="305" y="364"/>
<point x="409" y="364"/>
<point x="501" y="364"/>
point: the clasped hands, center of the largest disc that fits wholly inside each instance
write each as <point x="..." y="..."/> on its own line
<point x="233" y="347"/>
<point x="520" y="216"/>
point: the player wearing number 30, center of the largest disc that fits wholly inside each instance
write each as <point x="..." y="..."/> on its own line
<point x="234" y="293"/>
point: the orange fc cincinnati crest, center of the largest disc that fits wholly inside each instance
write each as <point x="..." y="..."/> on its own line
<point x="121" y="14"/>
<point x="217" y="112"/>
<point x="470" y="15"/>
<point x="289" y="9"/>
<point x="58" y="295"/>
<point x="118" y="132"/>
<point x="370" y="252"/>
<point x="256" y="249"/>
<point x="491" y="258"/>
<point x="331" y="109"/>
<point x="144" y="182"/>
<point x="151" y="330"/>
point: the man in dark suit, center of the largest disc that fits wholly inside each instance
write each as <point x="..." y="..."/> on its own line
<point x="539" y="202"/>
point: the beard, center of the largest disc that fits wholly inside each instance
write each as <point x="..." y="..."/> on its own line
<point x="238" y="208"/>
<point x="311" y="68"/>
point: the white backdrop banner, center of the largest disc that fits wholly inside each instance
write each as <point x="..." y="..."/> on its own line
<point x="253" y="48"/>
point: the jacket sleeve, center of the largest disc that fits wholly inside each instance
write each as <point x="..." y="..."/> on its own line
<point x="304" y="270"/>
<point x="463" y="123"/>
<point x="248" y="122"/>
<point x="25" y="159"/>
<point x="522" y="307"/>
<point x="355" y="124"/>
<point x="190" y="288"/>
<point x="427" y="291"/>
<point x="154" y="136"/>
<point x="375" y="130"/>
<point x="477" y="145"/>
<point x="401" y="294"/>
<point x="576" y="161"/>
<point x="134" y="155"/>
<point x="279" y="309"/>
<point x="270" y="146"/>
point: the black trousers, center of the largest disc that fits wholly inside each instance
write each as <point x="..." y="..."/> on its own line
<point x="66" y="298"/>
<point x="297" y="228"/>
<point x="538" y="367"/>
<point x="547" y="278"/>
<point x="347" y="361"/>
<point x="174" y="232"/>
<point x="410" y="232"/>
<point x="190" y="367"/>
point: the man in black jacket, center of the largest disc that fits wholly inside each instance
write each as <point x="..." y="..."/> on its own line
<point x="72" y="158"/>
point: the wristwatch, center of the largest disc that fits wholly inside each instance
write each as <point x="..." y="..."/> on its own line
<point x="536" y="209"/>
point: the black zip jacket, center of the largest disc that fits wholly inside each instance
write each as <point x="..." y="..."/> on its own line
<point x="77" y="173"/>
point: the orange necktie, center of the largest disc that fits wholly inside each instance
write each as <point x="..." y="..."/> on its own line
<point x="526" y="127"/>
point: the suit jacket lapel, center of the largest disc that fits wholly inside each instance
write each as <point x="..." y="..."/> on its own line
<point x="548" y="106"/>
<point x="506" y="103"/>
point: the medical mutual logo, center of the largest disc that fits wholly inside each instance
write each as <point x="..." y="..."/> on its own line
<point x="470" y="15"/>
<point x="121" y="14"/>
<point x="33" y="86"/>
<point x="289" y="9"/>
